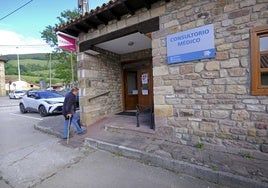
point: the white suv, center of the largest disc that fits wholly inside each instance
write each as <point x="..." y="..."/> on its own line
<point x="17" y="94"/>
<point x="43" y="102"/>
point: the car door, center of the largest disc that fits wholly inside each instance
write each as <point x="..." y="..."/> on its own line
<point x="29" y="101"/>
<point x="35" y="101"/>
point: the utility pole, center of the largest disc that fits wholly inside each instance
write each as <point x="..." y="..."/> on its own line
<point x="50" y="72"/>
<point x="83" y="6"/>
<point x="18" y="58"/>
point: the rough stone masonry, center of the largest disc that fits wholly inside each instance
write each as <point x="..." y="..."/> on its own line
<point x="209" y="100"/>
<point x="206" y="101"/>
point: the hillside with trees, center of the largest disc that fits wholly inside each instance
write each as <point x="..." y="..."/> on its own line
<point x="33" y="68"/>
<point x="36" y="67"/>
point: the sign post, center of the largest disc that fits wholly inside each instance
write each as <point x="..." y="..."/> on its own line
<point x="67" y="42"/>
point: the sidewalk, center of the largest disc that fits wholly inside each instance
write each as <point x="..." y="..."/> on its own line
<point x="229" y="167"/>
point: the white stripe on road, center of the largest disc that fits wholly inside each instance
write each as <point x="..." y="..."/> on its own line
<point x="26" y="116"/>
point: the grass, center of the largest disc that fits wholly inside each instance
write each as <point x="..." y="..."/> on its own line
<point x="28" y="62"/>
<point x="39" y="70"/>
<point x="214" y="168"/>
<point x="34" y="68"/>
<point x="117" y="154"/>
<point x="199" y="145"/>
<point x="246" y="155"/>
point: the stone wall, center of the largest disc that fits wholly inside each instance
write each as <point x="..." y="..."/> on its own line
<point x="210" y="100"/>
<point x="103" y="71"/>
<point x="198" y="101"/>
<point x="98" y="75"/>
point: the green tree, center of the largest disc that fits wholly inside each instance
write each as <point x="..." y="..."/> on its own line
<point x="10" y="69"/>
<point x="63" y="67"/>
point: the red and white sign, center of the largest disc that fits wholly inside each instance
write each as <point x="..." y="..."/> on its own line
<point x="66" y="42"/>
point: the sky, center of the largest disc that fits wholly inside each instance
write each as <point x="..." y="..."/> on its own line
<point x="20" y="32"/>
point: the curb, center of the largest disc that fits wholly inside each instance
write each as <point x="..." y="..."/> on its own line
<point x="48" y="130"/>
<point x="217" y="177"/>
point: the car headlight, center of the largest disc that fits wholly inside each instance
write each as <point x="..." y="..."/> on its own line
<point x="51" y="102"/>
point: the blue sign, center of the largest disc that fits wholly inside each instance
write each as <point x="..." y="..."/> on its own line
<point x="197" y="43"/>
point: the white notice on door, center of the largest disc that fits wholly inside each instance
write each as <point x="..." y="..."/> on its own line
<point x="145" y="92"/>
<point x="144" y="78"/>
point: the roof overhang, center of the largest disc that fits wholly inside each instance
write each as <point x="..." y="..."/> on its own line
<point x="126" y="40"/>
<point x="130" y="43"/>
<point x="120" y="41"/>
<point x="113" y="10"/>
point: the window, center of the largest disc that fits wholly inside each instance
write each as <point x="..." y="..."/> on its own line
<point x="259" y="61"/>
<point x="132" y="83"/>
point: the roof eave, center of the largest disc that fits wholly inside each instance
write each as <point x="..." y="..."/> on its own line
<point x="113" y="10"/>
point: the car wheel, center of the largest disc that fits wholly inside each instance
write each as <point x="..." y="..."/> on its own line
<point x="22" y="109"/>
<point x="42" y="111"/>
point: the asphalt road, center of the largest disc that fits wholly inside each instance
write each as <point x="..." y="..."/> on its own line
<point x="29" y="158"/>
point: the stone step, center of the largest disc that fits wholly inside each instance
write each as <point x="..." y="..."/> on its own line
<point x="131" y="130"/>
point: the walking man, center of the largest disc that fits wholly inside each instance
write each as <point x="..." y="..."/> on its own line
<point x="68" y="111"/>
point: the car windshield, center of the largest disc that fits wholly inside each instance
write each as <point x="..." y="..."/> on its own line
<point x="47" y="95"/>
<point x="19" y="91"/>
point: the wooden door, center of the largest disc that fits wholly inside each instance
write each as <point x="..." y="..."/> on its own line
<point x="145" y="86"/>
<point x="138" y="87"/>
<point x="131" y="89"/>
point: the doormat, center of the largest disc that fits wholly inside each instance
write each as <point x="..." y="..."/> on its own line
<point x="127" y="113"/>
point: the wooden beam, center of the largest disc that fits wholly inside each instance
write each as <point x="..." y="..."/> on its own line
<point x="118" y="17"/>
<point x="147" y="4"/>
<point x="102" y="19"/>
<point x="82" y="28"/>
<point x="132" y="12"/>
<point x="91" y="24"/>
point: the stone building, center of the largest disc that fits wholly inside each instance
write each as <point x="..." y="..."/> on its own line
<point x="123" y="61"/>
<point x="2" y="77"/>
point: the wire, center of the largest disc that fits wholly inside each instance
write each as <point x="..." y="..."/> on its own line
<point x="24" y="45"/>
<point x="16" y="10"/>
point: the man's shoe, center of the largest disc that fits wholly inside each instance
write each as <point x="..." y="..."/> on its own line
<point x="84" y="131"/>
<point x="71" y="135"/>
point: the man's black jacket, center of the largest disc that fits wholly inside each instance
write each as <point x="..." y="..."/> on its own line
<point x="69" y="104"/>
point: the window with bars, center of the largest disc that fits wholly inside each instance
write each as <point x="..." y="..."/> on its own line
<point x="259" y="61"/>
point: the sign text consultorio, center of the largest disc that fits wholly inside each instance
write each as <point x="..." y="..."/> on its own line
<point x="191" y="45"/>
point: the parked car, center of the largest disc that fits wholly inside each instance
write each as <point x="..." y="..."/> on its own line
<point x="43" y="102"/>
<point x="17" y="94"/>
